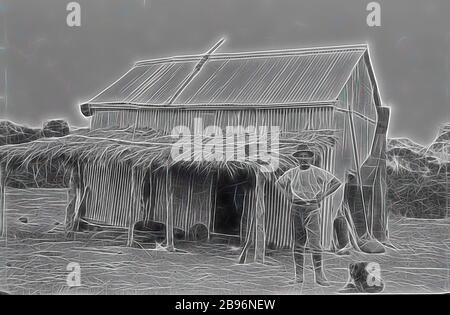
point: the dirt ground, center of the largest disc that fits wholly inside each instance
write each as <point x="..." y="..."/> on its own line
<point x="35" y="255"/>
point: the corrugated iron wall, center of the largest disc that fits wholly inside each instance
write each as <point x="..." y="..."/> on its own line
<point x="288" y="119"/>
<point x="357" y="99"/>
<point x="114" y="192"/>
<point x="192" y="201"/>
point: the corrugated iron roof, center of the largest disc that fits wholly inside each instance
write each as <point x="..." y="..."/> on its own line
<point x="268" y="77"/>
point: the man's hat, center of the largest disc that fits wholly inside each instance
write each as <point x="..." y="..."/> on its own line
<point x="303" y="148"/>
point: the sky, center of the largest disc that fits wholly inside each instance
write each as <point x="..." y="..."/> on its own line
<point x="53" y="67"/>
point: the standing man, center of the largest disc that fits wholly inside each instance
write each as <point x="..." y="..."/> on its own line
<point x="306" y="186"/>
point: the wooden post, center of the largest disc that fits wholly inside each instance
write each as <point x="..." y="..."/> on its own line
<point x="169" y="211"/>
<point x="71" y="204"/>
<point x="260" y="231"/>
<point x="212" y="201"/>
<point x="2" y="202"/>
<point x="131" y="223"/>
<point x="81" y="193"/>
<point x="248" y="240"/>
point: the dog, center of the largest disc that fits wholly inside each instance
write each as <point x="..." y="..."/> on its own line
<point x="364" y="277"/>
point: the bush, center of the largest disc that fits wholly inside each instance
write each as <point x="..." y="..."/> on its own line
<point x="55" y="128"/>
<point x="417" y="184"/>
<point x="11" y="133"/>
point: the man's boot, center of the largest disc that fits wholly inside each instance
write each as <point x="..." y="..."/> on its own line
<point x="299" y="259"/>
<point x="318" y="270"/>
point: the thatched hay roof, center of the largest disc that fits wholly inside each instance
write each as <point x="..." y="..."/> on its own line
<point x="142" y="149"/>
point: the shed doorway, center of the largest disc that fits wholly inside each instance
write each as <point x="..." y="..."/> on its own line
<point x="230" y="197"/>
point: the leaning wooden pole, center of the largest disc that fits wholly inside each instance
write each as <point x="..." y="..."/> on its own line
<point x="373" y="172"/>
<point x="358" y="173"/>
<point x="196" y="70"/>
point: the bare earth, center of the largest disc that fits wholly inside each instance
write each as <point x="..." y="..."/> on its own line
<point x="34" y="257"/>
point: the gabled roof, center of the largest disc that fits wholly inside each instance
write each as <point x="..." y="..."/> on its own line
<point x="311" y="75"/>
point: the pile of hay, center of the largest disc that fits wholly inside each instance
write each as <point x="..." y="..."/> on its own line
<point x="48" y="175"/>
<point x="12" y="133"/>
<point x="417" y="180"/>
<point x="441" y="146"/>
